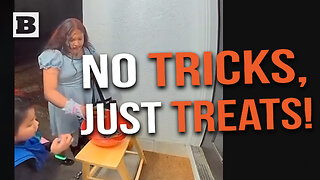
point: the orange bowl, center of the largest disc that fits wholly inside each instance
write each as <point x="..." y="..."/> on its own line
<point x="106" y="140"/>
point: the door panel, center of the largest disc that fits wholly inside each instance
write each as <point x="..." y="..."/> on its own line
<point x="212" y="143"/>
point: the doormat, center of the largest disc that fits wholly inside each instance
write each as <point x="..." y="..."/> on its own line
<point x="163" y="167"/>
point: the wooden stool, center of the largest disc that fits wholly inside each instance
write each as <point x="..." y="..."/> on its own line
<point x="110" y="157"/>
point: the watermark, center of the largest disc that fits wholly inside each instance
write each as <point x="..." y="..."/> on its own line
<point x="26" y="24"/>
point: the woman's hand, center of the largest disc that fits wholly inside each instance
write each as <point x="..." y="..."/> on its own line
<point x="61" y="144"/>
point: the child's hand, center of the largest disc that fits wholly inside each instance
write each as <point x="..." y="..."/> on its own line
<point x="61" y="144"/>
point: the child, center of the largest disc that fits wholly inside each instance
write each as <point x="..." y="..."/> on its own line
<point x="32" y="159"/>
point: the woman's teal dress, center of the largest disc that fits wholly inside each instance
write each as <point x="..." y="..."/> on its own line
<point x="70" y="84"/>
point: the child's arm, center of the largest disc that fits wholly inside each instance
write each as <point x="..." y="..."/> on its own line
<point x="47" y="145"/>
<point x="58" y="144"/>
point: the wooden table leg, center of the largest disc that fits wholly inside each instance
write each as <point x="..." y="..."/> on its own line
<point x="139" y="149"/>
<point x="123" y="171"/>
<point x="85" y="170"/>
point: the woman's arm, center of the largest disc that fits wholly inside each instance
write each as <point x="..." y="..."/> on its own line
<point x="50" y="86"/>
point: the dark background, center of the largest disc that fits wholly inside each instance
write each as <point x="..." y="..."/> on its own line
<point x="248" y="25"/>
<point x="278" y="153"/>
<point x="51" y="14"/>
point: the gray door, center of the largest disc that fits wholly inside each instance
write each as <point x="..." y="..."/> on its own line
<point x="212" y="143"/>
<point x="212" y="147"/>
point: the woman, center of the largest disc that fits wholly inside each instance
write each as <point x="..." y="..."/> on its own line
<point x="61" y="62"/>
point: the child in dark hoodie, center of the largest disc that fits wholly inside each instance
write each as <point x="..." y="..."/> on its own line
<point x="30" y="155"/>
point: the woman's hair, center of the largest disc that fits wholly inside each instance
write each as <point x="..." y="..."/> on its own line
<point x="60" y="38"/>
<point x="21" y="106"/>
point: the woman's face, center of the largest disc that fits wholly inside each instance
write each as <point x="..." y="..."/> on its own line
<point x="28" y="127"/>
<point x="76" y="42"/>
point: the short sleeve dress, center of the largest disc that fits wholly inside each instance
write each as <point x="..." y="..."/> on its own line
<point x="70" y="84"/>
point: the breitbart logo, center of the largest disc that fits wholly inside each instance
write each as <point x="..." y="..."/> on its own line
<point x="26" y="24"/>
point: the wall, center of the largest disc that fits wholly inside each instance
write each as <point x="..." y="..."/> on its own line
<point x="139" y="27"/>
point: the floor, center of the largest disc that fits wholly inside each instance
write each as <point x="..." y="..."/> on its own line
<point x="167" y="159"/>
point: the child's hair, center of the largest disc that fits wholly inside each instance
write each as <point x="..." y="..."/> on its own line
<point x="21" y="106"/>
<point x="60" y="37"/>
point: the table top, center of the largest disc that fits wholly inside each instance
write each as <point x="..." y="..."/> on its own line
<point x="108" y="157"/>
